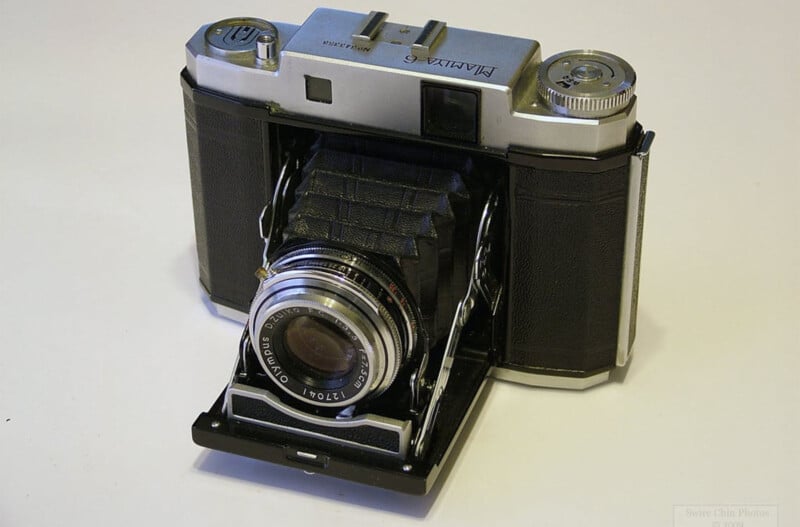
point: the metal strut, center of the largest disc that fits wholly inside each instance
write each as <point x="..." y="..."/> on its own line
<point x="482" y="283"/>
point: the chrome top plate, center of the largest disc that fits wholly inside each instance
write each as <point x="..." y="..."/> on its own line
<point x="460" y="54"/>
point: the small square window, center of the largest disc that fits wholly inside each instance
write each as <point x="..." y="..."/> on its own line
<point x="450" y="113"/>
<point x="318" y="90"/>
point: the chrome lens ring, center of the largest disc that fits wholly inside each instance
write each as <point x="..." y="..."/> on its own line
<point x="388" y="292"/>
<point x="296" y="297"/>
<point x="347" y="299"/>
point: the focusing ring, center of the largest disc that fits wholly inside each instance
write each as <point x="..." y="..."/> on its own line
<point x="348" y="291"/>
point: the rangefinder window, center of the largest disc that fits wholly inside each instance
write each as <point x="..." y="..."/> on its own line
<point x="318" y="89"/>
<point x="450" y="113"/>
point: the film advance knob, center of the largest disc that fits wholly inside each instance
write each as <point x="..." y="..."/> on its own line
<point x="586" y="83"/>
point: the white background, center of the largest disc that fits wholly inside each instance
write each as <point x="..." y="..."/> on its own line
<point x="107" y="352"/>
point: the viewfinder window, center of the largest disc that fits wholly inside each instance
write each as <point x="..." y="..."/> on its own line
<point x="450" y="113"/>
<point x="319" y="90"/>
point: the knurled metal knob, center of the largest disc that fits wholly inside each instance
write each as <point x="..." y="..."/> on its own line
<point x="586" y="83"/>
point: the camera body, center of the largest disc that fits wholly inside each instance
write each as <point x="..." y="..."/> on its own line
<point x="426" y="206"/>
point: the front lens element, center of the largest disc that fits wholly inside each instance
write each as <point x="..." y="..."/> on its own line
<point x="320" y="346"/>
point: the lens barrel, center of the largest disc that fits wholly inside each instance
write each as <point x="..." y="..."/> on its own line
<point x="330" y="327"/>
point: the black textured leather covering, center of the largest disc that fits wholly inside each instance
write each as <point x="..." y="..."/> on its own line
<point x="229" y="162"/>
<point x="567" y="234"/>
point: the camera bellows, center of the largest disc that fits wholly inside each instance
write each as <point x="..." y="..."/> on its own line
<point x="409" y="212"/>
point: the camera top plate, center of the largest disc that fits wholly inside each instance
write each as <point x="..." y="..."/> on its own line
<point x="470" y="56"/>
<point x="325" y="70"/>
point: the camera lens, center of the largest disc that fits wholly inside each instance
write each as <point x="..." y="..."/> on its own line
<point x="330" y="327"/>
<point x="320" y="347"/>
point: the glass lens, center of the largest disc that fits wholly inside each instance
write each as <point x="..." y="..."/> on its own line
<point x="320" y="345"/>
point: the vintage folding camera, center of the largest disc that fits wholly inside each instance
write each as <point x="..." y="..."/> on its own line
<point x="400" y="212"/>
